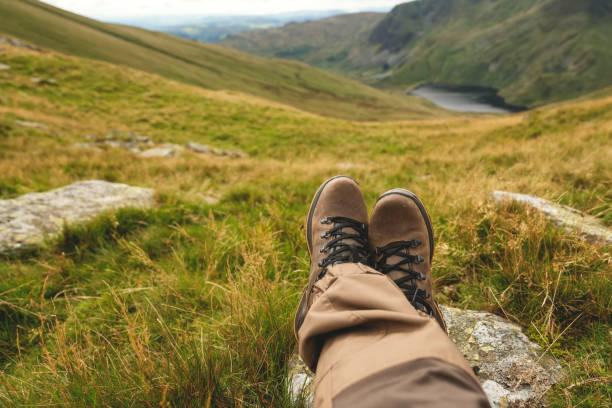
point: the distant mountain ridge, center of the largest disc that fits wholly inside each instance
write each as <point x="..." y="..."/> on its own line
<point x="208" y="66"/>
<point x="534" y="51"/>
<point x="327" y="43"/>
<point x="214" y="28"/>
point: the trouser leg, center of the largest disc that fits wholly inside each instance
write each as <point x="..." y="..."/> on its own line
<point x="370" y="348"/>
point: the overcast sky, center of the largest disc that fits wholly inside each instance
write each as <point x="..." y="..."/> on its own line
<point x="124" y="8"/>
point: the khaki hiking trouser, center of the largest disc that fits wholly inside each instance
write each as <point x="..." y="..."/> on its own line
<point x="369" y="347"/>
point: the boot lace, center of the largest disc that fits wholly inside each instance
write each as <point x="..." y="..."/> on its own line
<point x="344" y="246"/>
<point x="407" y="283"/>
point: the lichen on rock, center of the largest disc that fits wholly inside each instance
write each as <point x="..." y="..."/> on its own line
<point x="513" y="371"/>
<point x="27" y="220"/>
<point x="562" y="215"/>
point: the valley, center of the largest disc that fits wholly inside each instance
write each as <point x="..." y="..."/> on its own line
<point x="153" y="192"/>
<point x="534" y="51"/>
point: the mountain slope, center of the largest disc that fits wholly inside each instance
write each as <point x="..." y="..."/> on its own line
<point x="534" y="51"/>
<point x="327" y="43"/>
<point x="205" y="65"/>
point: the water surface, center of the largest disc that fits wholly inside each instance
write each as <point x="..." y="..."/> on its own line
<point x="460" y="98"/>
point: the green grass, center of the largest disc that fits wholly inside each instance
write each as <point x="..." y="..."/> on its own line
<point x="191" y="304"/>
<point x="208" y="66"/>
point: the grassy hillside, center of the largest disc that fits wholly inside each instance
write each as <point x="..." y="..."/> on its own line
<point x="209" y="66"/>
<point x="326" y="43"/>
<point x="534" y="51"/>
<point x="190" y="304"/>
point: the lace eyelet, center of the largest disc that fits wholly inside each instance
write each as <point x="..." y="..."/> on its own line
<point x="325" y="220"/>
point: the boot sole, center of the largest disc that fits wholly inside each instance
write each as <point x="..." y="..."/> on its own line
<point x="302" y="306"/>
<point x="413" y="197"/>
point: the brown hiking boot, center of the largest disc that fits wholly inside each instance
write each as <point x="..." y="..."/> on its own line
<point x="401" y="237"/>
<point x="336" y="232"/>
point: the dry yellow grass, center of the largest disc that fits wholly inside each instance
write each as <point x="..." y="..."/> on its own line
<point x="190" y="304"/>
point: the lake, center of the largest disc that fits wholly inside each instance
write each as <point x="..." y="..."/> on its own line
<point x="461" y="98"/>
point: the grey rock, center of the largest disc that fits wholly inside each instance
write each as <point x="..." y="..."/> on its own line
<point x="144" y="146"/>
<point x="127" y="138"/>
<point x="229" y="153"/>
<point x="198" y="148"/>
<point x="32" y="125"/>
<point x="113" y="143"/>
<point x="26" y="221"/>
<point x="301" y="384"/>
<point x="512" y="370"/>
<point x="563" y="216"/>
<point x="159" y="152"/>
<point x="128" y="141"/>
<point x="204" y="149"/>
<point x="18" y="43"/>
<point x="143" y="140"/>
<point x="88" y="146"/>
<point x="4" y="67"/>
<point x="43" y="81"/>
<point x="212" y="200"/>
<point x="504" y="355"/>
<point x="174" y="146"/>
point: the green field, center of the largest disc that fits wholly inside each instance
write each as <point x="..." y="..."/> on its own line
<point x="534" y="51"/>
<point x="190" y="304"/>
<point x="208" y="66"/>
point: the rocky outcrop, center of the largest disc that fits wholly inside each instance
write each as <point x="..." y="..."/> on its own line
<point x="26" y="221"/>
<point x="18" y="43"/>
<point x="164" y="151"/>
<point x="117" y="139"/>
<point x="563" y="216"/>
<point x="43" y="81"/>
<point x="204" y="149"/>
<point x="144" y="146"/>
<point x="31" y="125"/>
<point x="514" y="371"/>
